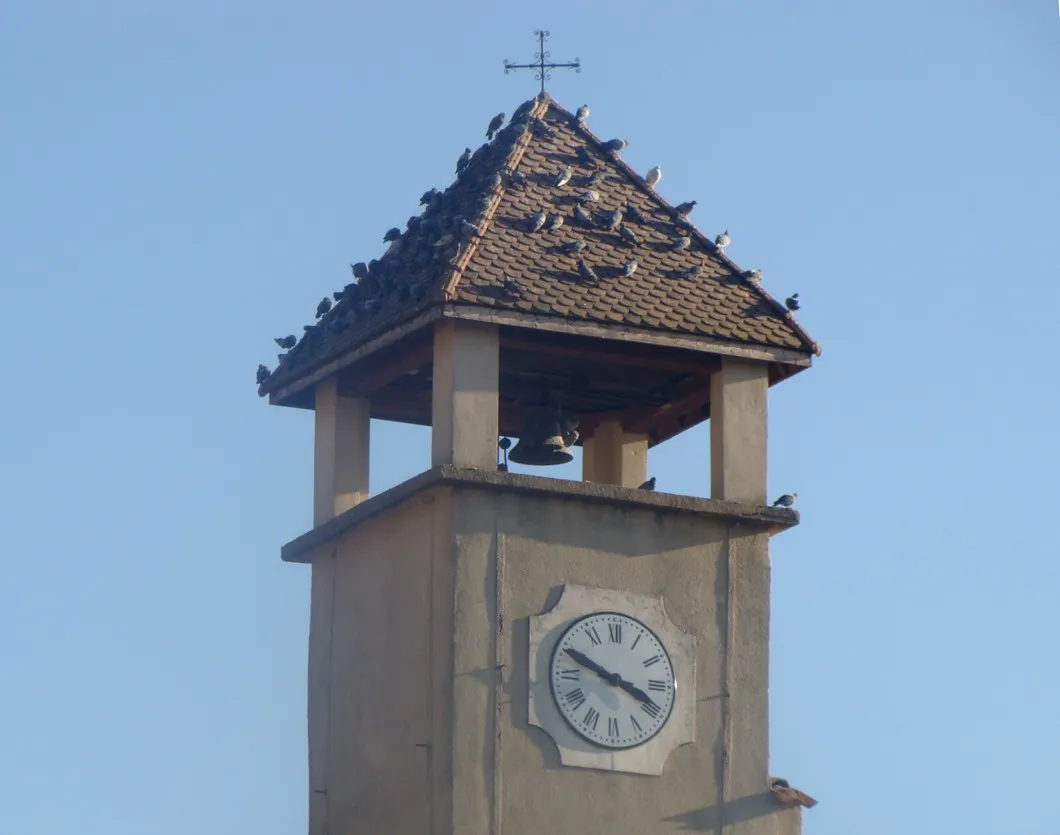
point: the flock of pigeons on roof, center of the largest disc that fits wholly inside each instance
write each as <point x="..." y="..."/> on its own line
<point x="450" y="219"/>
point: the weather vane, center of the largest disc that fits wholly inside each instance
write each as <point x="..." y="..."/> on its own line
<point x="541" y="63"/>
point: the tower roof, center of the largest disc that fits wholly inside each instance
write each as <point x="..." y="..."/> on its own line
<point x="475" y="247"/>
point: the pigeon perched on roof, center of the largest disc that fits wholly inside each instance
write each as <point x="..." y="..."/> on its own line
<point x="517" y="178"/>
<point x="511" y="288"/>
<point x="263" y="374"/>
<point x="428" y="196"/>
<point x="468" y="228"/>
<point x="628" y="235"/>
<point x="573" y="248"/>
<point x="684" y="208"/>
<point x="787" y="500"/>
<point x="586" y="271"/>
<point x="754" y="276"/>
<point x="495" y="125"/>
<point x="616" y="144"/>
<point x="523" y="110"/>
<point x="493" y="183"/>
<point x="323" y="307"/>
<point x="537" y="220"/>
<point x="653" y="176"/>
<point x="633" y="213"/>
<point x="792" y="302"/>
<point x="465" y="158"/>
<point x="360" y="270"/>
<point x="613" y="221"/>
<point x="648" y="485"/>
<point x="684" y="242"/>
<point x="590" y="196"/>
<point x="286" y="342"/>
<point x="372" y="305"/>
<point x="594" y="179"/>
<point x="630" y="267"/>
<point x="583" y="217"/>
<point x="723" y="240"/>
<point x="563" y="177"/>
<point x="692" y="271"/>
<point x="391" y="234"/>
<point x="582" y="113"/>
<point x="584" y="157"/>
<point x="555" y="222"/>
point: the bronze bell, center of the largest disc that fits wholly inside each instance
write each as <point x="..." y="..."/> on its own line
<point x="545" y="437"/>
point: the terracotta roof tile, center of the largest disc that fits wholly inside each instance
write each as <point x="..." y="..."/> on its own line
<point x="438" y="259"/>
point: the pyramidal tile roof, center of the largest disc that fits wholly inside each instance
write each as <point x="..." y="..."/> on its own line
<point x="610" y="251"/>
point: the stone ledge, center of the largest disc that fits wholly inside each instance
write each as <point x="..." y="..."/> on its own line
<point x="770" y="520"/>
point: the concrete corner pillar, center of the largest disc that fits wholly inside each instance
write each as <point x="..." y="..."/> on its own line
<point x="464" y="414"/>
<point x="611" y="456"/>
<point x="738" y="416"/>
<point x="340" y="451"/>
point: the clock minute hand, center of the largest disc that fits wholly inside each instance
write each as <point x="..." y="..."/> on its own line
<point x="635" y="691"/>
<point x="588" y="663"/>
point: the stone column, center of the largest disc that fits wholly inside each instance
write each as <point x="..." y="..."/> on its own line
<point x="738" y="394"/>
<point x="612" y="456"/>
<point x="464" y="419"/>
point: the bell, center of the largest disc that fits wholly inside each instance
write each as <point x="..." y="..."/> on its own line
<point x="544" y="440"/>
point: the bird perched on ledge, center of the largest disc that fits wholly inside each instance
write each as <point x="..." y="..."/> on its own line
<point x="648" y="485"/>
<point x="788" y="796"/>
<point x="787" y="500"/>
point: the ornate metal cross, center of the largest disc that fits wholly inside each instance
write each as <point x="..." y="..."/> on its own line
<point x="541" y="63"/>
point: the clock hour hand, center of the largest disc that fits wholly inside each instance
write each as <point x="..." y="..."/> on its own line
<point x="635" y="691"/>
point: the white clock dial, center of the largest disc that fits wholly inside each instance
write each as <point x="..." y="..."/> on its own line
<point x="612" y="680"/>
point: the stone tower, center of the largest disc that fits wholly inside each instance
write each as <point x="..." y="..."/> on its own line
<point x="500" y="653"/>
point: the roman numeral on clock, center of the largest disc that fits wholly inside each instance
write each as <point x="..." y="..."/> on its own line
<point x="655" y="659"/>
<point x="652" y="709"/>
<point x="658" y="686"/>
<point x="570" y="675"/>
<point x="594" y="636"/>
<point x="614" y="633"/>
<point x="592" y="718"/>
<point x="575" y="698"/>
<point x="612" y="726"/>
<point x="636" y="725"/>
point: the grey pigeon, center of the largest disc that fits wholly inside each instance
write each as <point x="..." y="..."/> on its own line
<point x="692" y="271"/>
<point x="495" y="125"/>
<point x="479" y="151"/>
<point x="583" y="217"/>
<point x="633" y="213"/>
<point x="584" y="157"/>
<point x="629" y="268"/>
<point x="468" y="228"/>
<point x="445" y="240"/>
<point x="493" y="183"/>
<point x="586" y="271"/>
<point x="287" y="342"/>
<point x="360" y="270"/>
<point x="465" y="158"/>
<point x="517" y="178"/>
<point x="594" y="179"/>
<point x="573" y="248"/>
<point x="428" y="196"/>
<point x="648" y="485"/>
<point x="628" y="235"/>
<point x="723" y="240"/>
<point x="392" y="234"/>
<point x="653" y="176"/>
<point x="754" y="276"/>
<point x="684" y="242"/>
<point x="792" y="302"/>
<point x="481" y="205"/>
<point x="616" y="144"/>
<point x="263" y="374"/>
<point x="787" y="500"/>
<point x="523" y="110"/>
<point x="371" y="305"/>
<point x="583" y="113"/>
<point x="512" y="288"/>
<point x="590" y="196"/>
<point x="555" y="222"/>
<point x="540" y="127"/>
<point x="563" y="177"/>
<point x="536" y="221"/>
<point x="684" y="208"/>
<point x="614" y="220"/>
<point x="323" y="307"/>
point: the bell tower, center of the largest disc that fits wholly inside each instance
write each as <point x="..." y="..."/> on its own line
<point x="493" y="652"/>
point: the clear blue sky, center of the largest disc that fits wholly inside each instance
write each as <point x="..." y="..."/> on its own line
<point x="182" y="182"/>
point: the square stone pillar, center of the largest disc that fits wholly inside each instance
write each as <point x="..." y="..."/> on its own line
<point x="464" y="417"/>
<point x="341" y="439"/>
<point x="611" y="456"/>
<point x="738" y="415"/>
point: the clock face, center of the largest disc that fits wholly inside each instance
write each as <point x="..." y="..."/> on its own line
<point x="612" y="680"/>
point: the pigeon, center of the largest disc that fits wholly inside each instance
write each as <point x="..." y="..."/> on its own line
<point x="413" y="223"/>
<point x="337" y="326"/>
<point x="684" y="208"/>
<point x="523" y="110"/>
<point x="648" y="485"/>
<point x="787" y="500"/>
<point x="517" y="178"/>
<point x="495" y="125"/>
<point x="479" y="151"/>
<point x="583" y="113"/>
<point x="573" y="248"/>
<point x="481" y="205"/>
<point x="555" y="222"/>
<point x="586" y="271"/>
<point x="614" y="220"/>
<point x="684" y="242"/>
<point x="653" y="176"/>
<point x="537" y="220"/>
<point x="584" y="157"/>
<point x="323" y="307"/>
<point x="628" y="235"/>
<point x="792" y="302"/>
<point x="593" y="180"/>
<point x="754" y="276"/>
<point x="286" y="342"/>
<point x="629" y="268"/>
<point x="692" y="271"/>
<point x="583" y="217"/>
<point x="445" y="240"/>
<point x="263" y="374"/>
<point x="493" y="183"/>
<point x="540" y="127"/>
<point x="371" y="305"/>
<point x="633" y="213"/>
<point x="418" y="291"/>
<point x="723" y="240"/>
<point x="428" y="196"/>
<point x="468" y="228"/>
<point x="360" y="270"/>
<point x="616" y="145"/>
<point x="392" y="234"/>
<point x="512" y="288"/>
<point x="465" y="158"/>
<point x="563" y="177"/>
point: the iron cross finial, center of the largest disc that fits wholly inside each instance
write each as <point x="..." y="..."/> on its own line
<point x="541" y="63"/>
